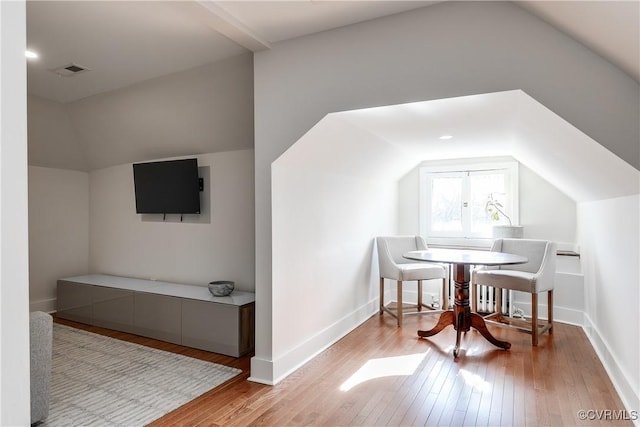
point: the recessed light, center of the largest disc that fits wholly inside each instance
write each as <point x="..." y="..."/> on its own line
<point x="446" y="137"/>
<point x="30" y="54"/>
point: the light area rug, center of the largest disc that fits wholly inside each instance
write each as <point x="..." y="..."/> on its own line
<point x="102" y="381"/>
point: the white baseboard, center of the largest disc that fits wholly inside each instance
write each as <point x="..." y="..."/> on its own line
<point x="46" y="305"/>
<point x="630" y="397"/>
<point x="261" y="371"/>
<point x="272" y="372"/>
<point x="560" y="314"/>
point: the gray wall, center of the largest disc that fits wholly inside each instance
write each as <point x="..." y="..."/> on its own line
<point x="53" y="142"/>
<point x="206" y="112"/>
<point x="83" y="223"/>
<point x="203" y="110"/>
<point x="58" y="231"/>
<point x="216" y="245"/>
<point x="450" y="49"/>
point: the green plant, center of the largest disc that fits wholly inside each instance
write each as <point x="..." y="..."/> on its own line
<point x="494" y="208"/>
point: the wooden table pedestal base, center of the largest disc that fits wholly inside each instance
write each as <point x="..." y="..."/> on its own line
<point x="461" y="316"/>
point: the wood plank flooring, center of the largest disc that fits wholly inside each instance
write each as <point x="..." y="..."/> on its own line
<point x="380" y="375"/>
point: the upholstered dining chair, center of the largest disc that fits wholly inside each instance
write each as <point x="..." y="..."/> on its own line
<point x="534" y="277"/>
<point x="394" y="266"/>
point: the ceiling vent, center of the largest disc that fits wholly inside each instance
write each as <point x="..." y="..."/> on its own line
<point x="70" y="70"/>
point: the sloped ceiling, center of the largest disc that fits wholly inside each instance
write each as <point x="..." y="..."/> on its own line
<point x="521" y="127"/>
<point x="164" y="81"/>
<point x="121" y="42"/>
<point x="126" y="42"/>
<point x="206" y="109"/>
<point x="609" y="28"/>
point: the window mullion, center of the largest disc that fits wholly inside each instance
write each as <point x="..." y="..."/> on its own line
<point x="466" y="205"/>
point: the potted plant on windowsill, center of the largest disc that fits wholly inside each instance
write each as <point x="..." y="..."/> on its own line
<point x="495" y="209"/>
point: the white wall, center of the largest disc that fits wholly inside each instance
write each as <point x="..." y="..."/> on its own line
<point x="58" y="231"/>
<point x="14" y="256"/>
<point x="545" y="212"/>
<point x="608" y="236"/>
<point x="332" y="196"/>
<point x="124" y="243"/>
<point x="446" y="50"/>
<point x="409" y="202"/>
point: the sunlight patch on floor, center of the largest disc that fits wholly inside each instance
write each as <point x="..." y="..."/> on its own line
<point x="474" y="380"/>
<point x="385" y="367"/>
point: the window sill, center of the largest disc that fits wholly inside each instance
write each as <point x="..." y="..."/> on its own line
<point x="460" y="243"/>
<point x="564" y="249"/>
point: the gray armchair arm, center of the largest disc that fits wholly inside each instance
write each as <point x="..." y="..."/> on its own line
<point x="40" y="335"/>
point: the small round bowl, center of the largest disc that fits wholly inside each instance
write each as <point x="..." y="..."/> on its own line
<point x="221" y="288"/>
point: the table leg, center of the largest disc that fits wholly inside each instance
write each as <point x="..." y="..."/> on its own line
<point x="478" y="322"/>
<point x="461" y="316"/>
<point x="446" y="319"/>
<point x="459" y="331"/>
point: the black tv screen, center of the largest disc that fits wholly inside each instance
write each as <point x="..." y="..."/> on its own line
<point x="170" y="187"/>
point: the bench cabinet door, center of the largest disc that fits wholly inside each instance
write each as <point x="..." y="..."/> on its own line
<point x="74" y="301"/>
<point x="210" y="326"/>
<point x="157" y="316"/>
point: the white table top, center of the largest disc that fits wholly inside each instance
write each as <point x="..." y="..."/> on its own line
<point x="466" y="256"/>
<point x="196" y="292"/>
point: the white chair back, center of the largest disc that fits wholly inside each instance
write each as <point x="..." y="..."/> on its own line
<point x="536" y="251"/>
<point x="394" y="247"/>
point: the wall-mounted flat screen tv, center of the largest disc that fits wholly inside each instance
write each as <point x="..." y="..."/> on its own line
<point x="170" y="187"/>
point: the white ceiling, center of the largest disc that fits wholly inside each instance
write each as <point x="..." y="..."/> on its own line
<point x="282" y="20"/>
<point x="121" y="42"/>
<point x="124" y="42"/>
<point x="520" y="127"/>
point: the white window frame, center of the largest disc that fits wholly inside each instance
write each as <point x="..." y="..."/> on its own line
<point x="429" y="170"/>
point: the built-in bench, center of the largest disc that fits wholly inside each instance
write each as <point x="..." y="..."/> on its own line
<point x="182" y="314"/>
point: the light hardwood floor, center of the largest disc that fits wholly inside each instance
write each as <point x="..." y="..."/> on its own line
<point x="380" y="375"/>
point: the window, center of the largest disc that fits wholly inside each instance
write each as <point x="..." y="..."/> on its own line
<point x="453" y="197"/>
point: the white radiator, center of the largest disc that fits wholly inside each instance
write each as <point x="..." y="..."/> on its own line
<point x="486" y="299"/>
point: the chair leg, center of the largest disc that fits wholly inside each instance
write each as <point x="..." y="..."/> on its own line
<point x="534" y="320"/>
<point x="445" y="295"/>
<point x="498" y="298"/>
<point x="550" y="310"/>
<point x="399" y="310"/>
<point x="419" y="295"/>
<point x="381" y="295"/>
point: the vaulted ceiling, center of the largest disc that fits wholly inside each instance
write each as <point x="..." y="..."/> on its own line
<point x="126" y="42"/>
<point x="139" y="54"/>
